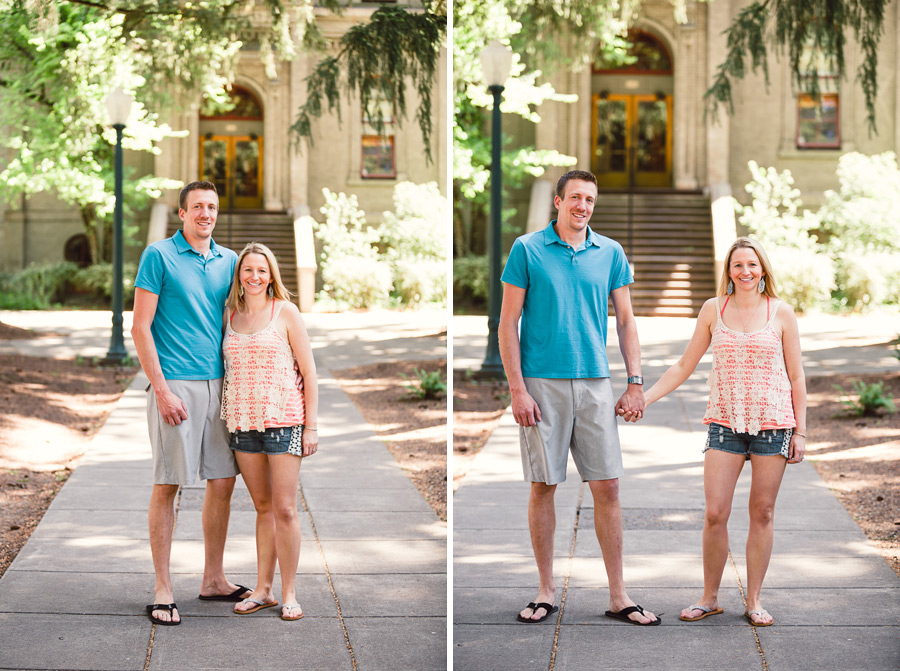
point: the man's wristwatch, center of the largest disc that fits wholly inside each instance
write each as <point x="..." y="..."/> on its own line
<point x="635" y="379"/>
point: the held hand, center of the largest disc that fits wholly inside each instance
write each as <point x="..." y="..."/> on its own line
<point x="631" y="405"/>
<point x="525" y="409"/>
<point x="310" y="442"/>
<point x="171" y="408"/>
<point x="797" y="449"/>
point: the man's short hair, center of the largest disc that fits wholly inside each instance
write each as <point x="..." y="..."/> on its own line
<point x="583" y="175"/>
<point x="195" y="186"/>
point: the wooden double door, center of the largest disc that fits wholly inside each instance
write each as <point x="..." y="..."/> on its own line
<point x="234" y="164"/>
<point x="631" y="140"/>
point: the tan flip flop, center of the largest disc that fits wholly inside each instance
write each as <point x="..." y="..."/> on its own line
<point x="259" y="606"/>
<point x="291" y="605"/>
<point x="706" y="613"/>
<point x="748" y="615"/>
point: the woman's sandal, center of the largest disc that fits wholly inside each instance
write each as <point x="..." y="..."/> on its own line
<point x="291" y="605"/>
<point x="259" y="606"/>
<point x="749" y="615"/>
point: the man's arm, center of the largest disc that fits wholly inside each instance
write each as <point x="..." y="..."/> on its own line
<point x="525" y="408"/>
<point x="631" y="404"/>
<point x="171" y="407"/>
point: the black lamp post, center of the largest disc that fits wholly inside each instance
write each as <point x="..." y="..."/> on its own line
<point x="118" y="104"/>
<point x="496" y="62"/>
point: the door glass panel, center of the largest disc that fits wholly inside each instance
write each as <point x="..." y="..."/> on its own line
<point x="610" y="153"/>
<point x="246" y="169"/>
<point x="651" y="135"/>
<point x="215" y="163"/>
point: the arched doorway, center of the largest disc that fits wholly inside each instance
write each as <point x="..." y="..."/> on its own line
<point x="631" y="115"/>
<point x="231" y="150"/>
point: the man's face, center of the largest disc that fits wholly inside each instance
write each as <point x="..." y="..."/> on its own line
<point x="199" y="215"/>
<point x="576" y="204"/>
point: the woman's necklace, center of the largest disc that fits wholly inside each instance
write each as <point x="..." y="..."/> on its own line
<point x="744" y="324"/>
<point x="253" y="319"/>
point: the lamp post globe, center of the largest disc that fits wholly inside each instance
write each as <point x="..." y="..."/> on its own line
<point x="118" y="105"/>
<point x="496" y="63"/>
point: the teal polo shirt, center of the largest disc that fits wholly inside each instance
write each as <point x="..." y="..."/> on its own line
<point x="187" y="327"/>
<point x="562" y="333"/>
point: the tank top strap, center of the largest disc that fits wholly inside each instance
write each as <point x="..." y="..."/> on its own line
<point x="771" y="318"/>
<point x="722" y="311"/>
<point x="276" y="311"/>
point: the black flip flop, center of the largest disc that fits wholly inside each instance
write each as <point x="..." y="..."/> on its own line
<point x="549" y="607"/>
<point x="163" y="606"/>
<point x="625" y="612"/>
<point x="234" y="597"/>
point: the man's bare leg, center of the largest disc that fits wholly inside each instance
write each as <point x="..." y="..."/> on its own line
<point x="216" y="513"/>
<point x="608" y="526"/>
<point x="542" y="524"/>
<point x="162" y="525"/>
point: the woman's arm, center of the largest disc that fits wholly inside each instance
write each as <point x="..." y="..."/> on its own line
<point x="793" y="363"/>
<point x="298" y="339"/>
<point x="682" y="369"/>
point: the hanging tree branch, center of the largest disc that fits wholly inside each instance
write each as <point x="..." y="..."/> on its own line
<point x="376" y="58"/>
<point x="818" y="25"/>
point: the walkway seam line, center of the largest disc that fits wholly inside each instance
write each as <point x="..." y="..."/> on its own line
<point x="334" y="595"/>
<point x="562" y="599"/>
<point x="154" y="625"/>
<point x="737" y="575"/>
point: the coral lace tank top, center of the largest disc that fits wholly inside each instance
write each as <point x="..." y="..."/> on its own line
<point x="749" y="389"/>
<point x="260" y="390"/>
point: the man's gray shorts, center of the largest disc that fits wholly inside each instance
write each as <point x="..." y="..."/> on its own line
<point x="577" y="415"/>
<point x="200" y="444"/>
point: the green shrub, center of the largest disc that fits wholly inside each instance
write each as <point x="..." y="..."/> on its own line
<point x="869" y="400"/>
<point x="470" y="278"/>
<point x="97" y="279"/>
<point x="352" y="272"/>
<point x="804" y="279"/>
<point x="414" y="242"/>
<point x="427" y="385"/>
<point x="36" y="287"/>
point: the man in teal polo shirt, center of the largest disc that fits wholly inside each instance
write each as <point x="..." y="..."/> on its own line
<point x="179" y="302"/>
<point x="559" y="281"/>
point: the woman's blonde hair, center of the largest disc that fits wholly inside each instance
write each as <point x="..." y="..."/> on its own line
<point x="748" y="243"/>
<point x="235" y="300"/>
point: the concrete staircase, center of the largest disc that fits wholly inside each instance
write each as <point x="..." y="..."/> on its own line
<point x="273" y="229"/>
<point x="671" y="248"/>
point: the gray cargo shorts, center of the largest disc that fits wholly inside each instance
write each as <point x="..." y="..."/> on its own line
<point x="577" y="415"/>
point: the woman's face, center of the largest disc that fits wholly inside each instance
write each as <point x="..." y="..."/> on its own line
<point x="254" y="275"/>
<point x="744" y="269"/>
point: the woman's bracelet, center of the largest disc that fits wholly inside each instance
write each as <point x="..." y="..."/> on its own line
<point x="797" y="433"/>
<point x="309" y="428"/>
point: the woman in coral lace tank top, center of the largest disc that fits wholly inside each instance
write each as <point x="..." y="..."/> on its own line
<point x="756" y="411"/>
<point x="271" y="415"/>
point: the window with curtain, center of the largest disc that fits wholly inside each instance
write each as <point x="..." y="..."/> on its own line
<point x="378" y="156"/>
<point x="819" y="117"/>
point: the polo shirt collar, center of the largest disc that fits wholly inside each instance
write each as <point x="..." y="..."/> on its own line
<point x="551" y="236"/>
<point x="182" y="245"/>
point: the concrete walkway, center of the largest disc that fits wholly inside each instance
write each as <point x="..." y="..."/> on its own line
<point x="835" y="601"/>
<point x="372" y="576"/>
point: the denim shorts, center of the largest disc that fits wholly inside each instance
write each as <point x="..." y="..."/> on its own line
<point x="766" y="443"/>
<point x="281" y="440"/>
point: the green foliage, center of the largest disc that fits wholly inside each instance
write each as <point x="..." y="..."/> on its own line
<point x="427" y="385"/>
<point x="377" y="58"/>
<point x="848" y="252"/>
<point x="470" y="278"/>
<point x="800" y="27"/>
<point x="97" y="279"/>
<point x="352" y="272"/>
<point x="36" y="287"/>
<point x="870" y="399"/>
<point x="414" y="243"/>
<point x="403" y="261"/>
